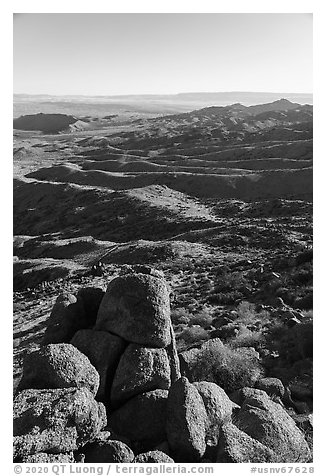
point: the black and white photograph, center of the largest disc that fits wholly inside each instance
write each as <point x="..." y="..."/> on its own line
<point x="162" y="239"/>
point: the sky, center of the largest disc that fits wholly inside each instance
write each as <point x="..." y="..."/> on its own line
<point x="137" y="53"/>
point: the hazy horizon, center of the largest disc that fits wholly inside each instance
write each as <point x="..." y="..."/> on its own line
<point x="303" y="93"/>
<point x="72" y="54"/>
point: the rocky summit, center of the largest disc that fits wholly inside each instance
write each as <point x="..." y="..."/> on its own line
<point x="115" y="392"/>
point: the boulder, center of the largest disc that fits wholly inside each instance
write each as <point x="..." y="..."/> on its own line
<point x="137" y="308"/>
<point x="58" y="366"/>
<point x="142" y="418"/>
<point x="55" y="420"/>
<point x="235" y="446"/>
<point x="104" y="351"/>
<point x="49" y="458"/>
<point x="272" y="386"/>
<point x="239" y="396"/>
<point x="67" y="317"/>
<point x="140" y="370"/>
<point x="109" y="451"/>
<point x="188" y="365"/>
<point x="218" y="407"/>
<point x="91" y="298"/>
<point x="186" y="422"/>
<point x="268" y="423"/>
<point x="153" y="457"/>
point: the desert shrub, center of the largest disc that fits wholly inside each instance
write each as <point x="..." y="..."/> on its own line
<point x="225" y="298"/>
<point x="231" y="282"/>
<point x="246" y="311"/>
<point x="230" y="368"/>
<point x="248" y="315"/>
<point x="194" y="334"/>
<point x="247" y="338"/>
<point x="180" y="316"/>
<point x="202" y="318"/>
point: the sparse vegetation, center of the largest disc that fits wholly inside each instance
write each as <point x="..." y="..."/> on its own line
<point x="230" y="368"/>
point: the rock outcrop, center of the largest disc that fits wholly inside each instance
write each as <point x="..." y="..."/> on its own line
<point x="106" y="386"/>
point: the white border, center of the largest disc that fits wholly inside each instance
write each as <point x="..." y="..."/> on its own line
<point x="167" y="6"/>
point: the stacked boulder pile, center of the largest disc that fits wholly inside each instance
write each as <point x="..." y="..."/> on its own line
<point x="106" y="386"/>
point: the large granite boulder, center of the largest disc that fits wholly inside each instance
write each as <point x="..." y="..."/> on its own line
<point x="142" y="418"/>
<point x="272" y="386"/>
<point x="55" y="420"/>
<point x="268" y="423"/>
<point x="189" y="366"/>
<point x="104" y="351"/>
<point x="136" y="307"/>
<point x="140" y="370"/>
<point x="58" y="366"/>
<point x="239" y="396"/>
<point x="235" y="446"/>
<point x="186" y="423"/>
<point x="218" y="407"/>
<point x="67" y="317"/>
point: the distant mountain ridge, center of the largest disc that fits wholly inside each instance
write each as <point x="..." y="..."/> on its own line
<point x="232" y="124"/>
<point x="242" y="110"/>
<point x="233" y="118"/>
<point x="224" y="98"/>
<point x="280" y="111"/>
<point x="150" y="104"/>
